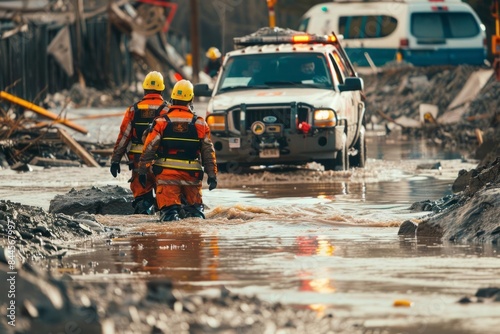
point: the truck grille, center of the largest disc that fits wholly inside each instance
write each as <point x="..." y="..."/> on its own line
<point x="282" y="113"/>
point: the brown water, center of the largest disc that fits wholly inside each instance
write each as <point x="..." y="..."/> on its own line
<point x="322" y="240"/>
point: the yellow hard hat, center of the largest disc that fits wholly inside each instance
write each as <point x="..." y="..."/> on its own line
<point x="213" y="53"/>
<point x="154" y="81"/>
<point x="183" y="90"/>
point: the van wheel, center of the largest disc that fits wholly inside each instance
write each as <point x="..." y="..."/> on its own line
<point x="359" y="160"/>
<point x="342" y="158"/>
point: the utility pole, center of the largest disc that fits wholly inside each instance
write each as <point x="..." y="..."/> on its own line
<point x="272" y="17"/>
<point x="195" y="41"/>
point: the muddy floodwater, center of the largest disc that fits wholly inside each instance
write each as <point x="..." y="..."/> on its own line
<point x="326" y="241"/>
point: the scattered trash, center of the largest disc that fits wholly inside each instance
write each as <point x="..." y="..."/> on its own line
<point x="402" y="303"/>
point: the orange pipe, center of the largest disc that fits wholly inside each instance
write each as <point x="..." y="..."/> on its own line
<point x="41" y="111"/>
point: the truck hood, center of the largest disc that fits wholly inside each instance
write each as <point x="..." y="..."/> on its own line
<point x="313" y="96"/>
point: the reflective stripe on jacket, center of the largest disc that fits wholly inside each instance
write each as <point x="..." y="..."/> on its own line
<point x="178" y="164"/>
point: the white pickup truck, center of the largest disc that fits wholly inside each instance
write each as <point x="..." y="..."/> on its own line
<point x="268" y="108"/>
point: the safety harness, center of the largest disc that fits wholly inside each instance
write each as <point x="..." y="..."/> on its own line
<point x="180" y="146"/>
<point x="141" y="121"/>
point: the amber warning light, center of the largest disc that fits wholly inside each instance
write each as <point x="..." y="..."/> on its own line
<point x="279" y="39"/>
<point x="301" y="39"/>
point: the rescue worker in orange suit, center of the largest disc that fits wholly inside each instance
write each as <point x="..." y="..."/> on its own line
<point x="179" y="150"/>
<point x="135" y="121"/>
<point x="214" y="62"/>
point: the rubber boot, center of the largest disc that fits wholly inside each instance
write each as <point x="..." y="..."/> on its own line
<point x="144" y="204"/>
<point x="194" y="211"/>
<point x="170" y="213"/>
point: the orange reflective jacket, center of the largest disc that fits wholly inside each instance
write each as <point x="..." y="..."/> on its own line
<point x="179" y="115"/>
<point x="134" y="123"/>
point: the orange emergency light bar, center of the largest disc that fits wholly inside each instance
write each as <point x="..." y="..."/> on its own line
<point x="284" y="38"/>
<point x="300" y="39"/>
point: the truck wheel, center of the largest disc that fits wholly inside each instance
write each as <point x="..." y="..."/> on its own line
<point x="342" y="158"/>
<point x="341" y="161"/>
<point x="359" y="160"/>
<point x="222" y="168"/>
<point x="229" y="167"/>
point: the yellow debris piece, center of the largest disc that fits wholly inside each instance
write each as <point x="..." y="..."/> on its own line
<point x="402" y="303"/>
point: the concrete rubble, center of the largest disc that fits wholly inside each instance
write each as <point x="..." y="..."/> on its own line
<point x="397" y="95"/>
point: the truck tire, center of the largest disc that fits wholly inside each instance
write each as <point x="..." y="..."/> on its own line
<point x="342" y="158"/>
<point x="341" y="161"/>
<point x="359" y="160"/>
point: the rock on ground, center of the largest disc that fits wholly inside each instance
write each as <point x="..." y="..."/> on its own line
<point x="108" y="200"/>
<point x="471" y="215"/>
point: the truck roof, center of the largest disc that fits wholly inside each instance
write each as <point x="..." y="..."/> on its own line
<point x="269" y="48"/>
<point x="276" y="35"/>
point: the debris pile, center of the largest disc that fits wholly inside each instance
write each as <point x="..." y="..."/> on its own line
<point x="41" y="235"/>
<point x="452" y="106"/>
<point x="27" y="138"/>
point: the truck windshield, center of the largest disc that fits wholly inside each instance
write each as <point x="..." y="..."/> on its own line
<point x="273" y="71"/>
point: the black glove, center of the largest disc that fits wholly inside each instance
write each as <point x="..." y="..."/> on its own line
<point x="115" y="168"/>
<point x="212" y="183"/>
<point x="143" y="178"/>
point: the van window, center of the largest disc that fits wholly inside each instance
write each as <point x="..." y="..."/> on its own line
<point x="304" y="24"/>
<point x="443" y="25"/>
<point x="368" y="26"/>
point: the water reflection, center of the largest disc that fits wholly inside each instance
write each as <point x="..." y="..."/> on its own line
<point x="360" y="269"/>
<point x="397" y="147"/>
<point x="404" y="190"/>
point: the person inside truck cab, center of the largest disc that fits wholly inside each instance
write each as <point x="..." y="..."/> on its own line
<point x="254" y="67"/>
<point x="260" y="73"/>
<point x="308" y="72"/>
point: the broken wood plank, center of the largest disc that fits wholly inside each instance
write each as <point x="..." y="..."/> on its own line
<point x="77" y="149"/>
<point x="103" y="151"/>
<point x="42" y="111"/>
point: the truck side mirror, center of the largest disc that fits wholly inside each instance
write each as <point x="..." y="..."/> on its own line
<point x="202" y="90"/>
<point x="351" y="84"/>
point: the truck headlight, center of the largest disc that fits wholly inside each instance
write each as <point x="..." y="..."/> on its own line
<point x="216" y="122"/>
<point x="324" y="118"/>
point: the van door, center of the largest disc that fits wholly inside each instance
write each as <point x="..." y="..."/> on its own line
<point x="444" y="37"/>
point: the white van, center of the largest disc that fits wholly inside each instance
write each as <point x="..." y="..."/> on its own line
<point x="422" y="32"/>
